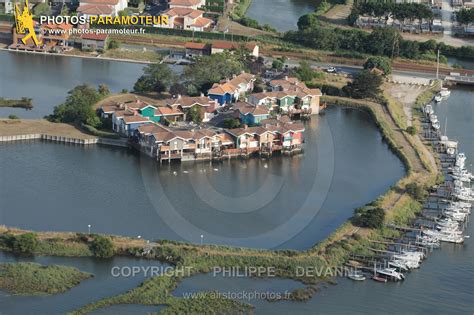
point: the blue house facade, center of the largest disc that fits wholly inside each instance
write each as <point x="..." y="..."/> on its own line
<point x="222" y="99"/>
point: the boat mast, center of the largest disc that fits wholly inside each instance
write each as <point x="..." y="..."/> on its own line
<point x="445" y="126"/>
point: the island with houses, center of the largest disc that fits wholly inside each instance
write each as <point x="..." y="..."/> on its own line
<point x="233" y="121"/>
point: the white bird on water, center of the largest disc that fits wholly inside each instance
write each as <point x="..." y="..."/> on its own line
<point x="216" y="170"/>
<point x="266" y="165"/>
<point x="175" y="173"/>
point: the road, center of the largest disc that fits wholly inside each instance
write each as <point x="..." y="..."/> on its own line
<point x="352" y="70"/>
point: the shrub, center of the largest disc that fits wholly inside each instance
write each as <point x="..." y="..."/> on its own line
<point x="102" y="246"/>
<point x="113" y="44"/>
<point x="416" y="191"/>
<point x="369" y="216"/>
<point x="231" y="123"/>
<point x="24" y="243"/>
<point x="412" y="130"/>
<point x="12" y="116"/>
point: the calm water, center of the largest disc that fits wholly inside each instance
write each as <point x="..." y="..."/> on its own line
<point x="278" y="203"/>
<point x="102" y="285"/>
<point x="47" y="79"/>
<point x="443" y="285"/>
<point x="281" y="14"/>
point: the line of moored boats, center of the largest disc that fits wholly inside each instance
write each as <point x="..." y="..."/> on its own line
<point x="447" y="226"/>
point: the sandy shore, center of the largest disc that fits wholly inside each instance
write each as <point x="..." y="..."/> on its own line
<point x="15" y="127"/>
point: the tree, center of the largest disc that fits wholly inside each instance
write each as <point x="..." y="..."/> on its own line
<point x="231" y="123"/>
<point x="277" y="64"/>
<point x="208" y="70"/>
<point x="308" y="21"/>
<point x="78" y="107"/>
<point x="465" y="16"/>
<point x="384" y="42"/>
<point x="196" y="114"/>
<point x="381" y="63"/>
<point x="156" y="78"/>
<point x="369" y="216"/>
<point x="178" y="89"/>
<point x="102" y="247"/>
<point x="366" y="84"/>
<point x="24" y="243"/>
<point x="42" y="9"/>
<point x="304" y="72"/>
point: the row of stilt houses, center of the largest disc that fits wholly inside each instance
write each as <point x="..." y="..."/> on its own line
<point x="166" y="144"/>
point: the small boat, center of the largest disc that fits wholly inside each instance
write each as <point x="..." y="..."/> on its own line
<point x="438" y="98"/>
<point x="444" y="92"/>
<point x="356" y="276"/>
<point x="380" y="279"/>
<point x="450" y="151"/>
<point x="436" y="125"/>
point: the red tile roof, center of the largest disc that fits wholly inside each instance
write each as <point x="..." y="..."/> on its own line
<point x="192" y="45"/>
<point x="135" y="119"/>
<point x="187" y="3"/>
<point x="194" y="14"/>
<point x="95" y="9"/>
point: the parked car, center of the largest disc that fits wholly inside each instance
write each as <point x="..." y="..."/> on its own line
<point x="331" y="70"/>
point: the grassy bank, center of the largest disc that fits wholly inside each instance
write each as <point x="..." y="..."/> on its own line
<point x="24" y="102"/>
<point x="239" y="9"/>
<point x="36" y="279"/>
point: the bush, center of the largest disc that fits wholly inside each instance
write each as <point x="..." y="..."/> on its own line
<point x="416" y="191"/>
<point x="12" y="116"/>
<point x="102" y="247"/>
<point x="113" y="44"/>
<point x="378" y="62"/>
<point x="24" y="243"/>
<point x="231" y="123"/>
<point x="99" y="133"/>
<point x="412" y="130"/>
<point x="369" y="216"/>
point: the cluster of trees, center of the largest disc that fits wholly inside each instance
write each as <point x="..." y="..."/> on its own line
<point x="465" y="16"/>
<point x="156" y="78"/>
<point x="22" y="244"/>
<point x="246" y="21"/>
<point x="198" y="77"/>
<point x="102" y="246"/>
<point x="79" y="106"/>
<point x="381" y="41"/>
<point x="369" y="216"/>
<point x="305" y="73"/>
<point x="379" y="62"/>
<point x="366" y="84"/>
<point x="386" y="9"/>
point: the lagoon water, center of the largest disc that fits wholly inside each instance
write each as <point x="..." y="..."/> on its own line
<point x="281" y="14"/>
<point x="47" y="79"/>
<point x="284" y="202"/>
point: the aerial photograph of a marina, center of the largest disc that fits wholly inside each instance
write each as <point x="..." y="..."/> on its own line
<point x="236" y="157"/>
